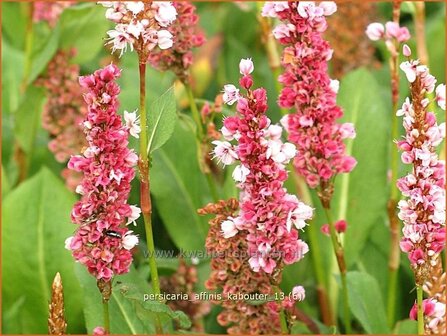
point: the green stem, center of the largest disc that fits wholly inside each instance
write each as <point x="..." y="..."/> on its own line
<point x="200" y="141"/>
<point x="212" y="186"/>
<point x="339" y="253"/>
<point x="282" y="316"/>
<point x="302" y="191"/>
<point x="283" y="322"/>
<point x="145" y="198"/>
<point x="105" y="306"/>
<point x="194" y="111"/>
<point x="420" y="310"/>
<point x="394" y="257"/>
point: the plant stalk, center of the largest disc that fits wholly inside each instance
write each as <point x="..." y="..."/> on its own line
<point x="105" y="306"/>
<point x="200" y="143"/>
<point x="194" y="111"/>
<point x="283" y="322"/>
<point x="394" y="258"/>
<point x="282" y="317"/>
<point x="420" y="310"/>
<point x="339" y="253"/>
<point x="327" y="315"/>
<point x="145" y="198"/>
<point x="421" y="42"/>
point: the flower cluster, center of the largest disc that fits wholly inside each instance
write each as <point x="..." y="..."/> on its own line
<point x="423" y="210"/>
<point x="140" y="25"/>
<point x="231" y="273"/>
<point x="184" y="281"/>
<point x="308" y="88"/>
<point x="186" y="35"/>
<point x="352" y="48"/>
<point x="268" y="213"/>
<point x="49" y="11"/>
<point x="392" y="33"/>
<point x="102" y="242"/>
<point x="64" y="111"/>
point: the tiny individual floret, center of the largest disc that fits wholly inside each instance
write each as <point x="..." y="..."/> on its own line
<point x="132" y="123"/>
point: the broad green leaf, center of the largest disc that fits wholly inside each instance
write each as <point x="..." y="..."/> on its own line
<point x="366" y="302"/>
<point x="27" y="117"/>
<point x="84" y="27"/>
<point x="44" y="54"/>
<point x="36" y="222"/>
<point x="151" y="307"/>
<point x="123" y="319"/>
<point x="162" y="117"/>
<point x="5" y="183"/>
<point x="179" y="189"/>
<point x="362" y="194"/>
<point x="12" y="73"/>
<point x="406" y="327"/>
<point x="14" y="23"/>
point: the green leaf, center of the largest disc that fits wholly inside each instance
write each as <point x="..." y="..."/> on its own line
<point x="123" y="319"/>
<point x="14" y="23"/>
<point x="36" y="222"/>
<point x="28" y="117"/>
<point x="83" y="27"/>
<point x="179" y="189"/>
<point x="44" y="54"/>
<point x="162" y="117"/>
<point x="12" y="73"/>
<point x="6" y="187"/>
<point x="366" y="302"/>
<point x="362" y="194"/>
<point x="406" y="327"/>
<point x="408" y="7"/>
<point x="150" y="307"/>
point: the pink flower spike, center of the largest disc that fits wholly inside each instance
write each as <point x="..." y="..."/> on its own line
<point x="406" y="50"/>
<point x="269" y="216"/>
<point x="102" y="240"/>
<point x="375" y="31"/>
